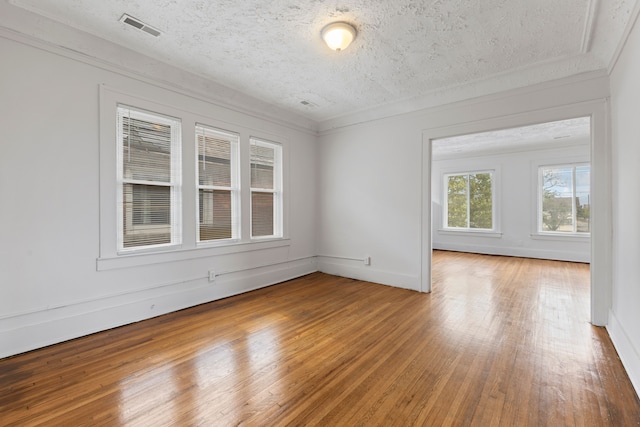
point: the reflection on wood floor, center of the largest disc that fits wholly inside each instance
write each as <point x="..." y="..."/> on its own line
<point x="500" y="341"/>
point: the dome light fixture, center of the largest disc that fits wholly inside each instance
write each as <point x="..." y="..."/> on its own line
<point x="338" y="35"/>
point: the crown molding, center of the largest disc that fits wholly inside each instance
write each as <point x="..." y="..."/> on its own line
<point x="633" y="18"/>
<point x="589" y="26"/>
<point x="47" y="34"/>
<point x="51" y="36"/>
<point x="451" y="100"/>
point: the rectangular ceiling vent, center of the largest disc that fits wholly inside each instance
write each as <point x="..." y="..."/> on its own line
<point x="308" y="104"/>
<point x="136" y="23"/>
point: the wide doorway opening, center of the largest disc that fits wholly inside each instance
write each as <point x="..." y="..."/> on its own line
<point x="514" y="192"/>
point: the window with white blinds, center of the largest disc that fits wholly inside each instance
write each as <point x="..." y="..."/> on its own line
<point x="148" y="178"/>
<point x="175" y="180"/>
<point x="218" y="198"/>
<point x="266" y="189"/>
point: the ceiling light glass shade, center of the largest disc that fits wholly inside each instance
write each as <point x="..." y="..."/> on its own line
<point x="338" y="35"/>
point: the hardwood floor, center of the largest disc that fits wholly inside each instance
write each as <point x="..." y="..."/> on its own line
<point x="500" y="341"/>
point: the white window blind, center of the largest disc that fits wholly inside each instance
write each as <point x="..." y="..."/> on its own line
<point x="148" y="174"/>
<point x="266" y="189"/>
<point x="218" y="198"/>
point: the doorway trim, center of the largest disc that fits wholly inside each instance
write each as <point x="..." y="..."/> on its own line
<point x="601" y="214"/>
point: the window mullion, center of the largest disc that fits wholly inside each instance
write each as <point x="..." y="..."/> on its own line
<point x="215" y="187"/>
<point x="573" y="200"/>
<point x="144" y="182"/>
<point x="468" y="201"/>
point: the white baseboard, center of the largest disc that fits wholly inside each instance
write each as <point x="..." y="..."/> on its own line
<point x="626" y="350"/>
<point x="515" y="251"/>
<point x="29" y="331"/>
<point x="368" y="273"/>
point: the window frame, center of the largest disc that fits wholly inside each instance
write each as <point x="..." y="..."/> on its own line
<point x="539" y="195"/>
<point x="277" y="190"/>
<point x="190" y="112"/>
<point x="174" y="183"/>
<point x="494" y="173"/>
<point x="234" y="188"/>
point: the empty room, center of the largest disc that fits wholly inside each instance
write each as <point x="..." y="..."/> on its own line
<point x="319" y="213"/>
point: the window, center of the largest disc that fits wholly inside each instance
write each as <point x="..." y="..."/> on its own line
<point x="469" y="202"/>
<point x="161" y="199"/>
<point x="218" y="198"/>
<point x="148" y="176"/>
<point x="564" y="205"/>
<point x="266" y="189"/>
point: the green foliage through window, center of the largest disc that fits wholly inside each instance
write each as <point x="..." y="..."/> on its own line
<point x="470" y="201"/>
<point x="565" y="202"/>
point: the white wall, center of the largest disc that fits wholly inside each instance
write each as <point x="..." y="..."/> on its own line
<point x="624" y="320"/>
<point x="361" y="192"/>
<point x="515" y="177"/>
<point x="50" y="286"/>
<point x="374" y="181"/>
<point x="370" y="203"/>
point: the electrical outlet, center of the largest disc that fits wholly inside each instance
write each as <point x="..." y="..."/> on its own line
<point x="212" y="276"/>
<point x="367" y="260"/>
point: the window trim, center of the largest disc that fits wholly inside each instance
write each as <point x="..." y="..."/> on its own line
<point x="277" y="190"/>
<point x="174" y="184"/>
<point x="157" y="257"/>
<point x="190" y="113"/>
<point x="235" y="188"/>
<point x="539" y="233"/>
<point x="486" y="232"/>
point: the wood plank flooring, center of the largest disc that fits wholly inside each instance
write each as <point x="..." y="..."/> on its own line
<point x="499" y="342"/>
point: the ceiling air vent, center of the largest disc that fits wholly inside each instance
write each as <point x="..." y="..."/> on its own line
<point x="130" y="20"/>
<point x="308" y="104"/>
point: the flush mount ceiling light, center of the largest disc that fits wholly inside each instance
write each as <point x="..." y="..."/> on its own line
<point x="339" y="35"/>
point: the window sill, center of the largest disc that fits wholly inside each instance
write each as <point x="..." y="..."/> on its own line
<point x="568" y="237"/>
<point x="475" y="233"/>
<point x="141" y="259"/>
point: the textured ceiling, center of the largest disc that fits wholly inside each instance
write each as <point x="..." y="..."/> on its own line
<point x="405" y="49"/>
<point x="525" y="137"/>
